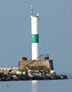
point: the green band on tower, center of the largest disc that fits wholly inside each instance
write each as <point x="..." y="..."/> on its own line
<point x="35" y="38"/>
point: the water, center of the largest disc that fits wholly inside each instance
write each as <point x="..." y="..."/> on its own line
<point x="37" y="86"/>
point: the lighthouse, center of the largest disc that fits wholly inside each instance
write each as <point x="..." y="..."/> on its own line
<point x="37" y="60"/>
<point x="34" y="34"/>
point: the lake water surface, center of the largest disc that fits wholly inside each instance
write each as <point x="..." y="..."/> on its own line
<point x="37" y="86"/>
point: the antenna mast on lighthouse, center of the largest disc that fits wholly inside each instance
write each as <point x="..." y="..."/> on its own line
<point x="34" y="34"/>
<point x="31" y="10"/>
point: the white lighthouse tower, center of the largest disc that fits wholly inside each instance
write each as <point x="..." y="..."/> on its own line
<point x="34" y="34"/>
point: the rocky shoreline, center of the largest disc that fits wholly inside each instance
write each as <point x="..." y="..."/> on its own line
<point x="17" y="74"/>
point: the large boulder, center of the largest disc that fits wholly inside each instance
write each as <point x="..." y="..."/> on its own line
<point x="14" y="77"/>
<point x="18" y="72"/>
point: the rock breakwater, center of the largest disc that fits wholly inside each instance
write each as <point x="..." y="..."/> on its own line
<point x="16" y="74"/>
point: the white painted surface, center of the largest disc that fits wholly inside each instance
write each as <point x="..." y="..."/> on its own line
<point x="34" y="25"/>
<point x="34" y="51"/>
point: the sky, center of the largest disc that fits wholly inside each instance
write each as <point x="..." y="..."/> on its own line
<point x="54" y="32"/>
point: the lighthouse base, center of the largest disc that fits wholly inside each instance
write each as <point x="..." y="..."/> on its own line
<point x="45" y="63"/>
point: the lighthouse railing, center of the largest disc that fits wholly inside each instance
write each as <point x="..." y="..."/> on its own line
<point x="40" y="57"/>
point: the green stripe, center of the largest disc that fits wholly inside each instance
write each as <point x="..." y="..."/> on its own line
<point x="35" y="38"/>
